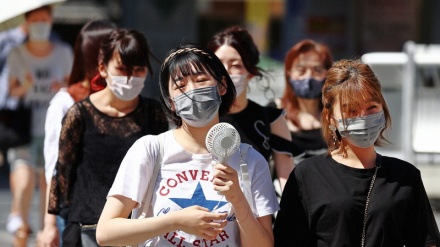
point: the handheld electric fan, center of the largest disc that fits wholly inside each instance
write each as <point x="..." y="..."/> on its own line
<point x="222" y="140"/>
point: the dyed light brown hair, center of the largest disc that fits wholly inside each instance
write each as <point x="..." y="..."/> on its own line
<point x="352" y="83"/>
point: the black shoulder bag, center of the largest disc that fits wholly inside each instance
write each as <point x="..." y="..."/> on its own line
<point x="15" y="126"/>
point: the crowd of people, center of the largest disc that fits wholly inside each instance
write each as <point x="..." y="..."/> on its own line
<point x="118" y="169"/>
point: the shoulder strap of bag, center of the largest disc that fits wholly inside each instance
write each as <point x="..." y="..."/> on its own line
<point x="145" y="207"/>
<point x="245" y="179"/>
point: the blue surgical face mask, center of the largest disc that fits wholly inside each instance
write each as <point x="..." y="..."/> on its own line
<point x="308" y="88"/>
<point x="362" y="131"/>
<point x="198" y="107"/>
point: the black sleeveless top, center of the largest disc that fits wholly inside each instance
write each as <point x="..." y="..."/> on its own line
<point x="253" y="124"/>
<point x="310" y="141"/>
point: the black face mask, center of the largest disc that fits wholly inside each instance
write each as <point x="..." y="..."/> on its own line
<point x="308" y="88"/>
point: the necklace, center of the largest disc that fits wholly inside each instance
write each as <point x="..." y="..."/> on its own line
<point x="373" y="179"/>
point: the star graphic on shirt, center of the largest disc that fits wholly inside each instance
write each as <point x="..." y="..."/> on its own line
<point x="198" y="198"/>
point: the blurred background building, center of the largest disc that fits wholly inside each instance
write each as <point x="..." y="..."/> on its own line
<point x="377" y="31"/>
<point x="374" y="30"/>
<point x="350" y="28"/>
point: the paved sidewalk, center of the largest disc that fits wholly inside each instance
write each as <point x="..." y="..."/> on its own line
<point x="5" y="204"/>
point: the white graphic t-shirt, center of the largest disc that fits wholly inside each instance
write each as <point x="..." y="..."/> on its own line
<point x="185" y="180"/>
<point x="44" y="71"/>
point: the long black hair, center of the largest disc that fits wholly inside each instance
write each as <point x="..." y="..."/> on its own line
<point x="88" y="41"/>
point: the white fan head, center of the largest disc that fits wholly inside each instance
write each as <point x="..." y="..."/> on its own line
<point x="222" y="140"/>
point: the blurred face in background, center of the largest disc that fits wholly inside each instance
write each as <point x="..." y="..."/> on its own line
<point x="307" y="75"/>
<point x="308" y="64"/>
<point x="233" y="63"/>
<point x="39" y="24"/>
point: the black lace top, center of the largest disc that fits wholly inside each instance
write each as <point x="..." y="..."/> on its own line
<point x="91" y="148"/>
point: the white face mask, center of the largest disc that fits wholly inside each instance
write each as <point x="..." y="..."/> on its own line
<point x="239" y="83"/>
<point x="39" y="31"/>
<point x="123" y="89"/>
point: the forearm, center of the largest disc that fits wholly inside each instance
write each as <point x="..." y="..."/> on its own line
<point x="283" y="167"/>
<point x="253" y="232"/>
<point x="18" y="91"/>
<point x="282" y="181"/>
<point x="50" y="234"/>
<point x="49" y="219"/>
<point x="122" y="231"/>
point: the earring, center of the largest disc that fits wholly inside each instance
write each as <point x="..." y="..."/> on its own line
<point x="333" y="130"/>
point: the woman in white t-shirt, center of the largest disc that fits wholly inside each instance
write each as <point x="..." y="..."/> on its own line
<point x="195" y="90"/>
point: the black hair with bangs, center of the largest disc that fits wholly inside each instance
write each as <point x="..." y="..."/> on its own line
<point x="86" y="50"/>
<point x="182" y="61"/>
<point x="132" y="47"/>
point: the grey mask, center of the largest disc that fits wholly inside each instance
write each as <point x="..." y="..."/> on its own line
<point x="198" y="107"/>
<point x="362" y="131"/>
